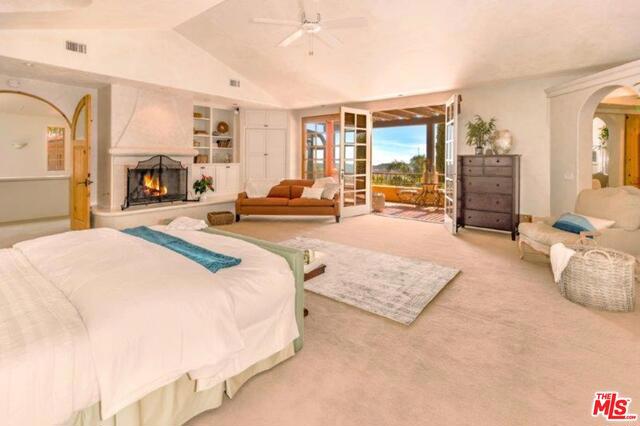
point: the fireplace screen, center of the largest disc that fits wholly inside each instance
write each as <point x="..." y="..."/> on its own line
<point x="159" y="179"/>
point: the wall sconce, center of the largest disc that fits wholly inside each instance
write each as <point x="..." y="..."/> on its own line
<point x="19" y="145"/>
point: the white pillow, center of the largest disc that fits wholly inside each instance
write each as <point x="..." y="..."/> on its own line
<point x="315" y="193"/>
<point x="184" y="223"/>
<point x="330" y="191"/>
<point x="259" y="188"/>
<point x="597" y="223"/>
<point x="322" y="182"/>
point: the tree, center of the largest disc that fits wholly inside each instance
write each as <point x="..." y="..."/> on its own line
<point x="440" y="148"/>
<point x="398" y="166"/>
<point x="416" y="164"/>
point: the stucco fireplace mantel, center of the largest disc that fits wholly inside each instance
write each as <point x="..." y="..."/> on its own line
<point x="134" y="151"/>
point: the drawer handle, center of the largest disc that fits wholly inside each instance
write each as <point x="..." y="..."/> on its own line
<point x="497" y="184"/>
<point x="497" y="220"/>
<point x="498" y="160"/>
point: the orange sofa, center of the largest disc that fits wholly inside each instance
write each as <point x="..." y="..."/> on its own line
<point x="284" y="199"/>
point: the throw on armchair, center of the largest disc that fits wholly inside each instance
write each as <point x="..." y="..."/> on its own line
<point x="621" y="204"/>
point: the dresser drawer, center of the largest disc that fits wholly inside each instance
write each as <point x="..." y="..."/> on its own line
<point x="498" y="161"/>
<point x="492" y="185"/>
<point x="489" y="202"/>
<point x="498" y="171"/>
<point x="472" y="170"/>
<point x="472" y="161"/>
<point x="483" y="219"/>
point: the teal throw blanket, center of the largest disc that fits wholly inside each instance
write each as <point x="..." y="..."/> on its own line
<point x="211" y="260"/>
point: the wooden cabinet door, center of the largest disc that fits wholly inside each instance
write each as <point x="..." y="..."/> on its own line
<point x="255" y="154"/>
<point x="276" y="142"/>
<point x="277" y="119"/>
<point x="632" y="151"/>
<point x="256" y="118"/>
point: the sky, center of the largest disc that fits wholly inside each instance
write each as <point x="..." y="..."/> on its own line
<point x="397" y="143"/>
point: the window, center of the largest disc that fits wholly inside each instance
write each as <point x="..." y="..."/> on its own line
<point x="55" y="149"/>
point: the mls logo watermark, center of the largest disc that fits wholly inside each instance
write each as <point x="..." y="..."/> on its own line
<point x="613" y="407"/>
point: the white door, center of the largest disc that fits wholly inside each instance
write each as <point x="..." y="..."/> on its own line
<point x="233" y="178"/>
<point x="355" y="162"/>
<point x="275" y="145"/>
<point x="451" y="164"/>
<point x="256" y="118"/>
<point x="255" y="165"/>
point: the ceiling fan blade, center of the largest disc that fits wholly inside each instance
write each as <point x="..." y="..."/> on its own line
<point x="354" y="22"/>
<point x="276" y="22"/>
<point x="328" y="39"/>
<point x="293" y="37"/>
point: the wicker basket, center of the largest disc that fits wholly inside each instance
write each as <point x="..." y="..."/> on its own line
<point x="220" y="218"/>
<point x="601" y="278"/>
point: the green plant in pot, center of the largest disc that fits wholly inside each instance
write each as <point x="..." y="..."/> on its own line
<point x="604" y="136"/>
<point x="479" y="132"/>
<point x="202" y="185"/>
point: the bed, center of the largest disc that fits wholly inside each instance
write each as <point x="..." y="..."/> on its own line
<point x="99" y="327"/>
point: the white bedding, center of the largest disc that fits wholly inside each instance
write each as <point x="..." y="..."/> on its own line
<point x="150" y="315"/>
<point x="46" y="369"/>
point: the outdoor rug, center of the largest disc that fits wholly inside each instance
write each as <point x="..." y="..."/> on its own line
<point x="394" y="287"/>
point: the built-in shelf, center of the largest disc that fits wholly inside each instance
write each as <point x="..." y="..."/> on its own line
<point x="205" y="143"/>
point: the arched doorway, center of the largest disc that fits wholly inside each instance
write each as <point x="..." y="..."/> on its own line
<point x="36" y="163"/>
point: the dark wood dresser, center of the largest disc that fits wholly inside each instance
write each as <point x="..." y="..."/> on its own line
<point x="489" y="192"/>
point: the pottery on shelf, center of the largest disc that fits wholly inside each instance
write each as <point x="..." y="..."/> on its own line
<point x="503" y="142"/>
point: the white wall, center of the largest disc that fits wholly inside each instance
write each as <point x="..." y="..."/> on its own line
<point x="519" y="105"/>
<point x="31" y="160"/>
<point x="37" y="198"/>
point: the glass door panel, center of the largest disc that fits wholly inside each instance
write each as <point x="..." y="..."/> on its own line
<point x="355" y="161"/>
<point x="451" y="165"/>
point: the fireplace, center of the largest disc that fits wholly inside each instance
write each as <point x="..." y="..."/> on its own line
<point x="159" y="179"/>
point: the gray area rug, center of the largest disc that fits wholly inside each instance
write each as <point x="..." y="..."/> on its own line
<point x="394" y="287"/>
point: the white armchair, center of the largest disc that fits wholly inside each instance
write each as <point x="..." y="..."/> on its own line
<point x="621" y="204"/>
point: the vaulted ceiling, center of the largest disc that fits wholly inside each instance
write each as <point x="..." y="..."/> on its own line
<point x="407" y="46"/>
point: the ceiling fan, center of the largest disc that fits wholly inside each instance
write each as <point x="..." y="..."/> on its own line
<point x="312" y="25"/>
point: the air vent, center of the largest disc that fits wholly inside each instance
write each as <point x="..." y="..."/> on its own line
<point x="234" y="83"/>
<point x="76" y="47"/>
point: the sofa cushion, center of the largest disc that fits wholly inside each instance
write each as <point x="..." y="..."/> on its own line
<point x="280" y="191"/>
<point x="297" y="182"/>
<point x="621" y="205"/>
<point x="297" y="190"/>
<point x="310" y="202"/>
<point x="264" y="201"/>
<point x="545" y="234"/>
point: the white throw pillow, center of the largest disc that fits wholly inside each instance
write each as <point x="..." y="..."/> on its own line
<point x="314" y="193"/>
<point x="330" y="191"/>
<point x="322" y="182"/>
<point x="259" y="188"/>
<point x="184" y="223"/>
<point x="597" y="223"/>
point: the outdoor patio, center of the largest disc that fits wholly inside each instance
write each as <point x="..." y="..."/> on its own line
<point x="413" y="212"/>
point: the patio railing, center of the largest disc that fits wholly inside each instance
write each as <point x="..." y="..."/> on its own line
<point x="396" y="179"/>
<point x="400" y="179"/>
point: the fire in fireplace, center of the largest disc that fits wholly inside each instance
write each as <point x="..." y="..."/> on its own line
<point x="160" y="179"/>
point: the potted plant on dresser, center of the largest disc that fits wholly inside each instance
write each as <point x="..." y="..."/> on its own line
<point x="479" y="132"/>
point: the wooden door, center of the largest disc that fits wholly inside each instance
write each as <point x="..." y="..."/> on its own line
<point x="632" y="151"/>
<point x="275" y="149"/>
<point x="451" y="164"/>
<point x="255" y="154"/>
<point x="355" y="162"/>
<point x="80" y="174"/>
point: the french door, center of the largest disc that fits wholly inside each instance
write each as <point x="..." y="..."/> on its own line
<point x="451" y="164"/>
<point x="355" y="162"/>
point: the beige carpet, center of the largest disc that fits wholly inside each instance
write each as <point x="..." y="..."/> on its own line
<point x="498" y="346"/>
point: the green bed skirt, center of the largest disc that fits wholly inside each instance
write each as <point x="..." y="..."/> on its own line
<point x="177" y="402"/>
